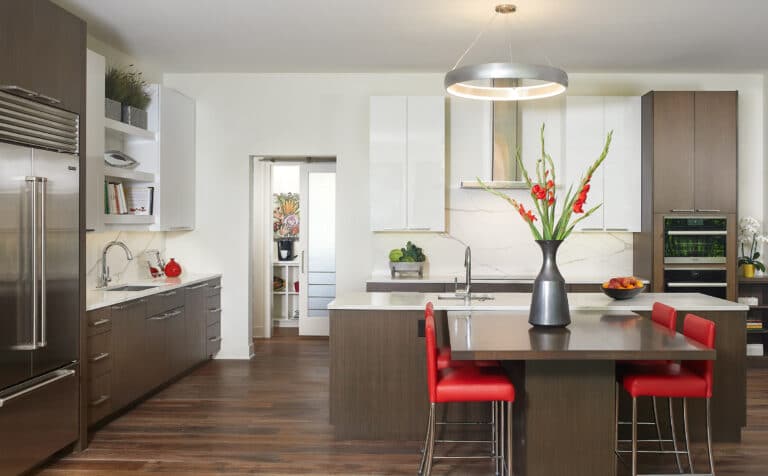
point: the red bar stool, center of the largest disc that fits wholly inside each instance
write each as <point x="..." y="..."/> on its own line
<point x="689" y="379"/>
<point x="464" y="384"/>
<point x="665" y="316"/>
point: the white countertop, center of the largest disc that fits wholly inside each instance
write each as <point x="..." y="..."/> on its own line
<point x="98" y="298"/>
<point x="521" y="302"/>
<point x="428" y="279"/>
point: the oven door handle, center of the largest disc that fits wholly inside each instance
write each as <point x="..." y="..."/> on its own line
<point x="697" y="233"/>
<point x="697" y="285"/>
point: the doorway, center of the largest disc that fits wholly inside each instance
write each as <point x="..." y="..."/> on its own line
<point x="293" y="251"/>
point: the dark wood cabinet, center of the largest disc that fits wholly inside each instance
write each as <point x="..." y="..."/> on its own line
<point x="137" y="346"/>
<point x="42" y="50"/>
<point x="128" y="364"/>
<point x="715" y="150"/>
<point x="672" y="150"/>
<point x="690" y="150"/>
<point x="195" y="307"/>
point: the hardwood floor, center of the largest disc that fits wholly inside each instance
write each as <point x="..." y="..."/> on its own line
<point x="270" y="416"/>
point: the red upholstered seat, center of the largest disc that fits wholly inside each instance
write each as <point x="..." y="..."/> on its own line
<point x="444" y="361"/>
<point x="465" y="383"/>
<point x="669" y="380"/>
<point x="473" y="385"/>
<point x="689" y="379"/>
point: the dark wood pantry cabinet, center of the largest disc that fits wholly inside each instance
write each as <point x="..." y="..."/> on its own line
<point x="42" y="53"/>
<point x="137" y="346"/>
<point x="689" y="150"/>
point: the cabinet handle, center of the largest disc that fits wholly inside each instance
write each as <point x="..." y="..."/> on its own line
<point x="199" y="286"/>
<point x="100" y="322"/>
<point x="617" y="229"/>
<point x="169" y="293"/>
<point x="99" y="357"/>
<point x="173" y="313"/>
<point x="682" y="210"/>
<point x="214" y="339"/>
<point x="99" y="401"/>
<point x="418" y="228"/>
<point x="218" y="286"/>
<point x="592" y="229"/>
<point x="708" y="210"/>
<point x="126" y="306"/>
<point x="214" y="310"/>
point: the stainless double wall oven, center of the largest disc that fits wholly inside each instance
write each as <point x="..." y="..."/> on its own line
<point x="695" y="254"/>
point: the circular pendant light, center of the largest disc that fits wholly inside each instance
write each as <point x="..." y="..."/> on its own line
<point x="504" y="81"/>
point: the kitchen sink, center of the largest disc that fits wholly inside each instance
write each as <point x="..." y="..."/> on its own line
<point x="133" y="287"/>
<point x="463" y="297"/>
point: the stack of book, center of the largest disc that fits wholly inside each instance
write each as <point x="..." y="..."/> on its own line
<point x="754" y="325"/>
<point x="123" y="199"/>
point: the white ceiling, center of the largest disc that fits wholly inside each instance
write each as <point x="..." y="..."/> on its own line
<point x="429" y="35"/>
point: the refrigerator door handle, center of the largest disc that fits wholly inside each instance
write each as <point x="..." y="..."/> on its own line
<point x="56" y="376"/>
<point x="35" y="290"/>
<point x="43" y="275"/>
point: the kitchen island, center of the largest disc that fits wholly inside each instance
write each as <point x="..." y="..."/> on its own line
<point x="378" y="369"/>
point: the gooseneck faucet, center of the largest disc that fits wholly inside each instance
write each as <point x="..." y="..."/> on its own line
<point x="468" y="269"/>
<point x="104" y="278"/>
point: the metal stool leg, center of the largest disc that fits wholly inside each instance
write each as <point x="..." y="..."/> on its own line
<point x="687" y="438"/>
<point x="426" y="443"/>
<point x="430" y="449"/>
<point x="674" y="436"/>
<point x="495" y="437"/>
<point x="709" y="441"/>
<point x="502" y="439"/>
<point x="634" y="436"/>
<point x="509" y="438"/>
<point x="655" y="410"/>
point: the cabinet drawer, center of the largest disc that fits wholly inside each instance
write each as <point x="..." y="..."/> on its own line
<point x="99" y="397"/>
<point x="99" y="354"/>
<point x="99" y="320"/>
<point x="213" y="309"/>
<point x="214" y="287"/>
<point x="165" y="301"/>
<point x="213" y="339"/>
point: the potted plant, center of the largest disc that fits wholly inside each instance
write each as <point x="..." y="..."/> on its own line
<point x="285" y="224"/>
<point x="407" y="260"/>
<point x="128" y="89"/>
<point x="549" y="305"/>
<point x="749" y="232"/>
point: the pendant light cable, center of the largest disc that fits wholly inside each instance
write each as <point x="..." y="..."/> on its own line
<point x="474" y="42"/>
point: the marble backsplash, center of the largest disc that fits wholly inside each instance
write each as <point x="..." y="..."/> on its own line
<point x="502" y="244"/>
<point x="121" y="269"/>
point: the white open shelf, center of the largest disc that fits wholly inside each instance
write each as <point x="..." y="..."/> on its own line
<point x="128" y="174"/>
<point x="286" y="263"/>
<point x="111" y="219"/>
<point x="128" y="130"/>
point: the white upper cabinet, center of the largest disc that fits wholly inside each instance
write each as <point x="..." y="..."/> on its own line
<point x="407" y="163"/>
<point x="94" y="141"/>
<point x="617" y="182"/>
<point x="533" y="114"/>
<point x="176" y="137"/>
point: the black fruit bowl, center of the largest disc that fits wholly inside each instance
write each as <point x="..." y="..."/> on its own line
<point x="621" y="294"/>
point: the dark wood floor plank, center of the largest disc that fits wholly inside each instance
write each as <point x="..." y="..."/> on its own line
<point x="270" y="416"/>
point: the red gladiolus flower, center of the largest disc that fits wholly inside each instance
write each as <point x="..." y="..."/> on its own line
<point x="538" y="192"/>
<point x="578" y="207"/>
<point x="582" y="196"/>
<point x="551" y="200"/>
<point x="586" y="187"/>
<point x="550" y="184"/>
<point x="527" y="214"/>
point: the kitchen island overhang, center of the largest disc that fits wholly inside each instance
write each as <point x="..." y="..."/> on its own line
<point x="378" y="370"/>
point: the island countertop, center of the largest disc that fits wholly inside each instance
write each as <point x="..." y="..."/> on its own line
<point x="402" y="301"/>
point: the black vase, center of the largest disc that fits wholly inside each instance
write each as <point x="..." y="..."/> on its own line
<point x="549" y="305"/>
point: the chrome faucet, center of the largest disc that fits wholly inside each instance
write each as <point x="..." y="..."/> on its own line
<point x="468" y="277"/>
<point x="104" y="278"/>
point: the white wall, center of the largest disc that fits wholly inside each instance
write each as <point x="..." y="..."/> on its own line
<point x="122" y="270"/>
<point x="320" y="114"/>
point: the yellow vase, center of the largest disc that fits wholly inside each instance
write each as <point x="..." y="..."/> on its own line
<point x="748" y="270"/>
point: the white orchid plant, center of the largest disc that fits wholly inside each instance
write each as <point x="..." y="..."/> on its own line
<point x="750" y="232"/>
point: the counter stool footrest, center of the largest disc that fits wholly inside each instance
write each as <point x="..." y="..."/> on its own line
<point x="463" y="441"/>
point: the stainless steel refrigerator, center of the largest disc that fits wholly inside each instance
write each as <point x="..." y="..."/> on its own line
<point x="39" y="304"/>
